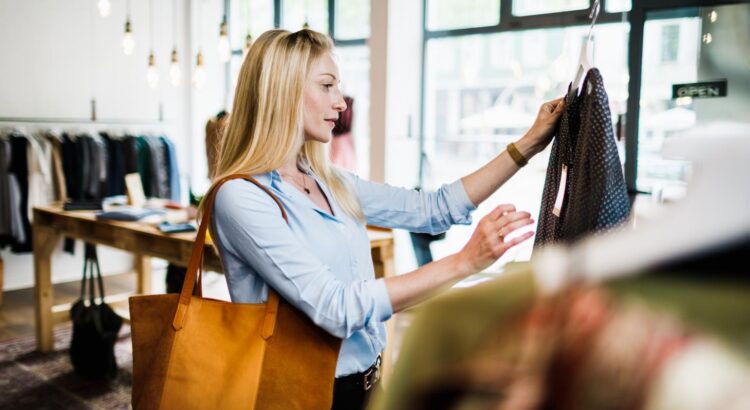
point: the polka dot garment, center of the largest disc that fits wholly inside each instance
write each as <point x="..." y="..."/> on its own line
<point x="595" y="196"/>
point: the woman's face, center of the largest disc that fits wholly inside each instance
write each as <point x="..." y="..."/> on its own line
<point x="323" y="100"/>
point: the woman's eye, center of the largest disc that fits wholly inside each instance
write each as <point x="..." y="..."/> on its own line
<point x="327" y="86"/>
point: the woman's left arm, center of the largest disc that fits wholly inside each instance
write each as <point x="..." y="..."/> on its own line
<point x="482" y="183"/>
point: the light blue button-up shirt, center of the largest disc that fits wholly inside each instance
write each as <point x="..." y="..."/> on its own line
<point x="321" y="263"/>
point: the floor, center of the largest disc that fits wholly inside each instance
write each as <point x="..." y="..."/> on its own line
<point x="17" y="310"/>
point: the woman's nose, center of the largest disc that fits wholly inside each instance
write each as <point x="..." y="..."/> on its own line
<point x="340" y="104"/>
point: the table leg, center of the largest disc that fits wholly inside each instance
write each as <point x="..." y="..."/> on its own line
<point x="143" y="271"/>
<point x="2" y="274"/>
<point x="44" y="241"/>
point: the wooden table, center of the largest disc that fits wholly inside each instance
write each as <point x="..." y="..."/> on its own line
<point x="145" y="241"/>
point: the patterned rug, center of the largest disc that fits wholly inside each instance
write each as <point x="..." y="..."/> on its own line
<point x="33" y="380"/>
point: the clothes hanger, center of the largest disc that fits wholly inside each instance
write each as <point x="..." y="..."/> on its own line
<point x="712" y="215"/>
<point x="584" y="64"/>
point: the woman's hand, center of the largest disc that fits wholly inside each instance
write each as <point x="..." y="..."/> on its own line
<point x="540" y="134"/>
<point x="488" y="242"/>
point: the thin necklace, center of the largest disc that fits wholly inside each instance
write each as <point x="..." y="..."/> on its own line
<point x="304" y="182"/>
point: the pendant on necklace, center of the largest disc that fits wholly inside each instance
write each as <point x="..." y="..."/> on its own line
<point x="308" y="191"/>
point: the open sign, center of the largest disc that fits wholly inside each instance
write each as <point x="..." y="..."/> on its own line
<point x="710" y="89"/>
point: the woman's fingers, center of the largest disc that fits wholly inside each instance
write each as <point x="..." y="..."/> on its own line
<point x="511" y="217"/>
<point x="559" y="105"/>
<point x="512" y="226"/>
<point x="501" y="210"/>
<point x="518" y="239"/>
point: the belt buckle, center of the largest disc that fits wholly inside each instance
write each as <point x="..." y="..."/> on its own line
<point x="372" y="375"/>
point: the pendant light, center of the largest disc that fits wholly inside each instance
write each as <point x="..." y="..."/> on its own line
<point x="152" y="75"/>
<point x="105" y="8"/>
<point x="248" y="43"/>
<point x="225" y="50"/>
<point x="306" y="25"/>
<point x="199" y="76"/>
<point x="128" y="43"/>
<point x="175" y="74"/>
<point x="248" y="36"/>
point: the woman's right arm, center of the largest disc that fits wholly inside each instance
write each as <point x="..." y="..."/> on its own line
<point x="486" y="245"/>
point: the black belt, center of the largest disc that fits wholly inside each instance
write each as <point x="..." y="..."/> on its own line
<point x="361" y="381"/>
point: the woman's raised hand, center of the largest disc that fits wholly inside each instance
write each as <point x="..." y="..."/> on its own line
<point x="541" y="132"/>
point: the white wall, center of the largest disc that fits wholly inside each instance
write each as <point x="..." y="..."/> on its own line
<point x="59" y="55"/>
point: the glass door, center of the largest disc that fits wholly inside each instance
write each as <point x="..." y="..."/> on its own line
<point x="695" y="71"/>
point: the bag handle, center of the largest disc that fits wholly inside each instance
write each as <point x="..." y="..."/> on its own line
<point x="91" y="261"/>
<point x="196" y="260"/>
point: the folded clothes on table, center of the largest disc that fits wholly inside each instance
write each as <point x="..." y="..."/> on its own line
<point x="129" y="213"/>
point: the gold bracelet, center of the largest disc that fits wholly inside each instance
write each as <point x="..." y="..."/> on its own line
<point x="518" y="158"/>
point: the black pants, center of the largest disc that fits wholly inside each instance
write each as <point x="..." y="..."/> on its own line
<point x="347" y="396"/>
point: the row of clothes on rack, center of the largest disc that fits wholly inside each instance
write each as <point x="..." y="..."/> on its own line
<point x="43" y="167"/>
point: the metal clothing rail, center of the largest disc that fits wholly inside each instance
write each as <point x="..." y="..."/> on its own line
<point x="50" y="120"/>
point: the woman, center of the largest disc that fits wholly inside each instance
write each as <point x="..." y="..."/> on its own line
<point x="285" y="107"/>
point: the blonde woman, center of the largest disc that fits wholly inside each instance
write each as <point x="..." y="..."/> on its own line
<point x="286" y="103"/>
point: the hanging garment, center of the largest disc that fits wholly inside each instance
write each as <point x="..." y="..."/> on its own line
<point x="11" y="224"/>
<point x="58" y="173"/>
<point x="71" y="167"/>
<point x="143" y="155"/>
<point x="115" y="183"/>
<point x="130" y="148"/>
<point x="214" y="131"/>
<point x="39" y="159"/>
<point x="170" y="154"/>
<point x="585" y="161"/>
<point x="19" y="166"/>
<point x="342" y="146"/>
<point x="159" y="167"/>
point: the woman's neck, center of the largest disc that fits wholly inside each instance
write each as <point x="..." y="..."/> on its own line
<point x="290" y="167"/>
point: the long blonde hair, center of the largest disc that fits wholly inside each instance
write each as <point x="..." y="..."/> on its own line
<point x="266" y="121"/>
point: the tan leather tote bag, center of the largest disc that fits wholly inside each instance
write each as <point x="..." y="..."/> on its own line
<point x="191" y="352"/>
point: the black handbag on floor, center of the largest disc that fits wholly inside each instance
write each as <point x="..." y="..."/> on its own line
<point x="95" y="326"/>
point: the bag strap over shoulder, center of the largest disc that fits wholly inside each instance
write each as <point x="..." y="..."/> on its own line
<point x="196" y="259"/>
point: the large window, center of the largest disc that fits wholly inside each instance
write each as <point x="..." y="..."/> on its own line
<point x="483" y="92"/>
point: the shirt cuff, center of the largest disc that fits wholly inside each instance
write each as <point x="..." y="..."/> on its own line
<point x="383" y="308"/>
<point x="462" y="205"/>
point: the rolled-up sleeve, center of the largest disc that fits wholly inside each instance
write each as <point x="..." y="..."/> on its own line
<point x="417" y="211"/>
<point x="249" y="224"/>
